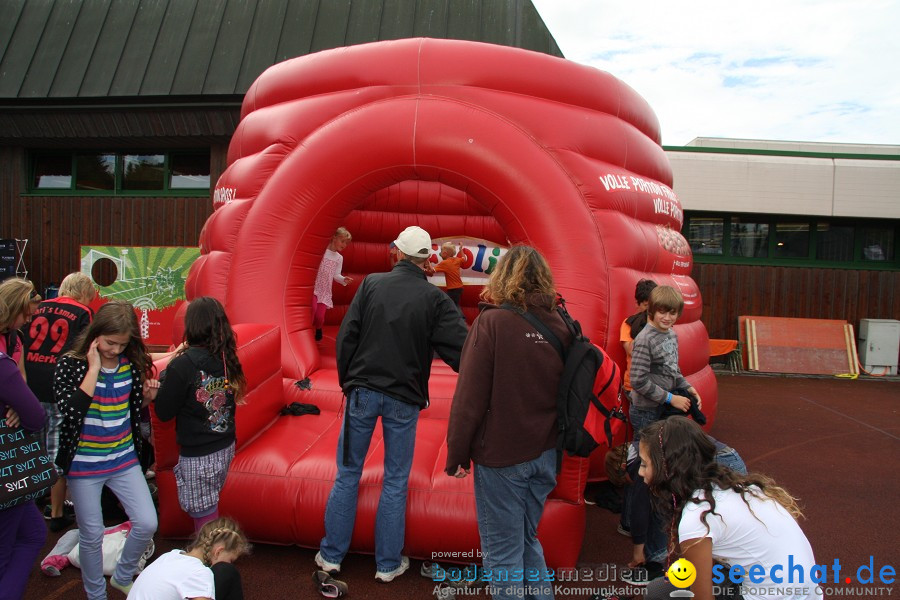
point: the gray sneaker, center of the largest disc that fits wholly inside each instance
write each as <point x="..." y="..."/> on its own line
<point x="392" y="575"/>
<point x="329" y="567"/>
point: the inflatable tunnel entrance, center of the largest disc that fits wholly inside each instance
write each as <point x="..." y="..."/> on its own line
<point x="466" y="140"/>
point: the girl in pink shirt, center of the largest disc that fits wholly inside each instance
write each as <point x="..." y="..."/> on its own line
<point x="329" y="270"/>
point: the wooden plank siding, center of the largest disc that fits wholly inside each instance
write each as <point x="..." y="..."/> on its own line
<point x="57" y="226"/>
<point x="732" y="290"/>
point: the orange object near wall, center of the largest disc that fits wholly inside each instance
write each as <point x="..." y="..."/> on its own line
<point x="790" y="345"/>
<point x="720" y="347"/>
<point x="462" y="139"/>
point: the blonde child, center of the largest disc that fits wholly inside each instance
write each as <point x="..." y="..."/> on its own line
<point x="99" y="387"/>
<point x="329" y="270"/>
<point x="199" y="390"/>
<point x="450" y="266"/>
<point x="189" y="573"/>
<point x="55" y="326"/>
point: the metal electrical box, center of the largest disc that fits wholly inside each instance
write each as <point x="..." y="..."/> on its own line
<point x="879" y="344"/>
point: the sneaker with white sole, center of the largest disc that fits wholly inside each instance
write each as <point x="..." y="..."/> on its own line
<point x="125" y="588"/>
<point x="330" y="567"/>
<point x="392" y="575"/>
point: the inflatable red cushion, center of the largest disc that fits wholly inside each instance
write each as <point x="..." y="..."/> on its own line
<point x="470" y="141"/>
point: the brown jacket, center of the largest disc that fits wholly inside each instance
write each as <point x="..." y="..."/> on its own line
<point x="504" y="408"/>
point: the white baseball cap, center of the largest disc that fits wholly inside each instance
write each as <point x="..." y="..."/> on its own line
<point x="414" y="241"/>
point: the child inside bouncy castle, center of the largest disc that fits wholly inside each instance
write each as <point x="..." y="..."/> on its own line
<point x="329" y="271"/>
<point x="450" y="266"/>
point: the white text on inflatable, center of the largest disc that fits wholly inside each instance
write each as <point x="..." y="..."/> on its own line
<point x="614" y="182"/>
<point x="667" y="207"/>
<point x="224" y="195"/>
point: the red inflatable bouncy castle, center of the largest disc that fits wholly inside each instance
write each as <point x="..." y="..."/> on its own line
<point x="484" y="144"/>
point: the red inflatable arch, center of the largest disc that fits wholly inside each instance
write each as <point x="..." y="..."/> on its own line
<point x="463" y="139"/>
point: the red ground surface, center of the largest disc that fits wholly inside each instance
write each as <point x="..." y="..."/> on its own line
<point x="834" y="443"/>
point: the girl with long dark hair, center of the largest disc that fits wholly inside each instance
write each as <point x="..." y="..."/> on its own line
<point x="200" y="388"/>
<point x="718" y="514"/>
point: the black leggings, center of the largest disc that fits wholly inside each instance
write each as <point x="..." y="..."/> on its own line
<point x="228" y="582"/>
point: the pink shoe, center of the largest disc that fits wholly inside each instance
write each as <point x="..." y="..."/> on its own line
<point x="52" y="565"/>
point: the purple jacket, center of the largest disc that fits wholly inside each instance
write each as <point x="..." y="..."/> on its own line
<point x="15" y="394"/>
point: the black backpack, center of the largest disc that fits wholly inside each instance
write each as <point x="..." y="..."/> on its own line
<point x="588" y="375"/>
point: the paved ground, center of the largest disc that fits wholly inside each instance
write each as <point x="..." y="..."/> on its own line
<point x="835" y="443"/>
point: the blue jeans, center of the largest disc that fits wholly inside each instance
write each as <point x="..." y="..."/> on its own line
<point x="643" y="520"/>
<point x="641" y="417"/>
<point x="510" y="501"/>
<point x="131" y="489"/>
<point x="728" y="457"/>
<point x="656" y="548"/>
<point x="398" y="425"/>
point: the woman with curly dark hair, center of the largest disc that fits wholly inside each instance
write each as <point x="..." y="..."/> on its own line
<point x="715" y="513"/>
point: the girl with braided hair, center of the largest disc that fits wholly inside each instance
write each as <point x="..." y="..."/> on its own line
<point x="717" y="514"/>
<point x="189" y="573"/>
<point x="199" y="389"/>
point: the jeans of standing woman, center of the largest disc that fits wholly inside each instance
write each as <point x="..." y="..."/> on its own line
<point x="510" y="501"/>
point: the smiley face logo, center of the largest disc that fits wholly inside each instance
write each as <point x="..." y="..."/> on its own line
<point x="682" y="573"/>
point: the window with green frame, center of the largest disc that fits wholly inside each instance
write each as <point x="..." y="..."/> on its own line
<point x="119" y="173"/>
<point x="792" y="240"/>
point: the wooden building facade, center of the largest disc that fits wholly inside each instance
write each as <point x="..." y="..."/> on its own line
<point x="89" y="88"/>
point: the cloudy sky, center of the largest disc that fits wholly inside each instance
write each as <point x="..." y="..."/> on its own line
<point x="804" y="70"/>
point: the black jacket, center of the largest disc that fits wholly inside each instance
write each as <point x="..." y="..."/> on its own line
<point x="391" y="330"/>
<point x="54" y="326"/>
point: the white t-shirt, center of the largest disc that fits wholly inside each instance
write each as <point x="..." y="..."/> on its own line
<point x="771" y="537"/>
<point x="174" y="576"/>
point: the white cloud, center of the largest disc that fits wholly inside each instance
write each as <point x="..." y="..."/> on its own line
<point x="811" y="70"/>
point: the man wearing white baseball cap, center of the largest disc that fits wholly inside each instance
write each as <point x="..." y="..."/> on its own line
<point x="385" y="346"/>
